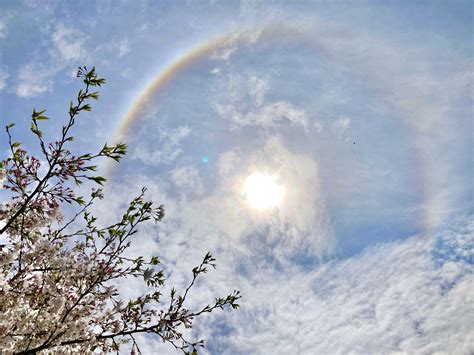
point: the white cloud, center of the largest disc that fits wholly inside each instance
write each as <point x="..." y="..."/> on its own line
<point x="245" y="105"/>
<point x="3" y="26"/>
<point x="318" y="126"/>
<point x="168" y="150"/>
<point x="341" y="125"/>
<point x="111" y="49"/>
<point x="246" y="7"/>
<point x="67" y="50"/>
<point x="398" y="297"/>
<point x="267" y="116"/>
<point x="69" y="43"/>
<point x="44" y="5"/>
<point x="257" y="89"/>
<point x="187" y="181"/>
<point x="34" y="80"/>
<point x="231" y="44"/>
<point x="3" y="79"/>
<point x="227" y="48"/>
<point x="123" y="47"/>
<point x="228" y="162"/>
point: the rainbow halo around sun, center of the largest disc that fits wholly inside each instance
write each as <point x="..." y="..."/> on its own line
<point x="262" y="191"/>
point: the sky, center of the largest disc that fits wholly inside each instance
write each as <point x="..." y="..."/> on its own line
<point x="360" y="111"/>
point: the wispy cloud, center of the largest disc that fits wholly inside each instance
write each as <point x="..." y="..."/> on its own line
<point x="3" y="26"/>
<point x="123" y="47"/>
<point x="245" y="105"/>
<point x="68" y="43"/>
<point x="266" y="116"/>
<point x="115" y="47"/>
<point x="67" y="49"/>
<point x="187" y="181"/>
<point x="341" y="125"/>
<point x="225" y="50"/>
<point x="168" y="149"/>
<point x="3" y="78"/>
<point x="34" y="79"/>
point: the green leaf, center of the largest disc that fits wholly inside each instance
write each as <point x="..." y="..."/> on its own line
<point x="79" y="200"/>
<point x="86" y="107"/>
<point x="16" y="145"/>
<point x="10" y="125"/>
<point x="39" y="115"/>
<point x="78" y="182"/>
<point x="98" y="179"/>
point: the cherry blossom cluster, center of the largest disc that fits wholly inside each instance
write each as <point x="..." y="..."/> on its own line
<point x="58" y="276"/>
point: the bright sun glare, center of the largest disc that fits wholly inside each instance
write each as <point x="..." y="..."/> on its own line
<point x="262" y="191"/>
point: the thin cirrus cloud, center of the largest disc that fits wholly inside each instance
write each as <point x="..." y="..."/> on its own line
<point x="3" y="78"/>
<point x="244" y="104"/>
<point x="3" y="26"/>
<point x="68" y="43"/>
<point x="67" y="49"/>
<point x="168" y="148"/>
<point x="34" y="80"/>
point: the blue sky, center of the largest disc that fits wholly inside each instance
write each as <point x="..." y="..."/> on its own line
<point x="361" y="110"/>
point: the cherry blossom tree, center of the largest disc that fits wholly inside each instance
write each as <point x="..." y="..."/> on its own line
<point x="58" y="275"/>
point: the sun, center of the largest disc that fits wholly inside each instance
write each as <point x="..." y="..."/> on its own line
<point x="262" y="191"/>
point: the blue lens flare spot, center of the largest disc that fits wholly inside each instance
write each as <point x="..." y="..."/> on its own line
<point x="205" y="159"/>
